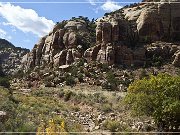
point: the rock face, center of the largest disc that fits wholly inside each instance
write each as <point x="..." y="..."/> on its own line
<point x="156" y="21"/>
<point x="64" y="45"/>
<point x="10" y="57"/>
<point x="120" y="37"/>
<point x="146" y="22"/>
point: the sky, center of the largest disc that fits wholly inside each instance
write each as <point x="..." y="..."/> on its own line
<point x="24" y="22"/>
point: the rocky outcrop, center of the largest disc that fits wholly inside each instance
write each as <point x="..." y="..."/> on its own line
<point x="118" y="54"/>
<point x="120" y="37"/>
<point x="10" y="57"/>
<point x="156" y="21"/>
<point x="64" y="45"/>
<point x="118" y="32"/>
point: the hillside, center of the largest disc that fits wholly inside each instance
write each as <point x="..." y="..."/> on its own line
<point x="119" y="73"/>
<point x="10" y="57"/>
<point x="126" y="38"/>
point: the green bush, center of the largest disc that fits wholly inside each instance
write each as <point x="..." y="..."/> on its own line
<point x="4" y="81"/>
<point x="112" y="82"/>
<point x="80" y="77"/>
<point x="106" y="108"/>
<point x="157" y="61"/>
<point x="70" y="80"/>
<point x="159" y="97"/>
<point x="67" y="95"/>
<point x="113" y="126"/>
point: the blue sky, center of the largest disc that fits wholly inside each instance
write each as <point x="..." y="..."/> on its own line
<point x="24" y="23"/>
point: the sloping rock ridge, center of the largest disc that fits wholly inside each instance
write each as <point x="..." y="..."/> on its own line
<point x="121" y="37"/>
<point x="10" y="57"/>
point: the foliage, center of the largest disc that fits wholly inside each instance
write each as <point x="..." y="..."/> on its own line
<point x="106" y="108"/>
<point x="5" y="44"/>
<point x="143" y="73"/>
<point x="103" y="66"/>
<point x="60" y="25"/>
<point x="14" y="120"/>
<point x="70" y="80"/>
<point x="1" y="69"/>
<point x="4" y="81"/>
<point x="111" y="82"/>
<point x="19" y="74"/>
<point x="52" y="128"/>
<point x="115" y="126"/>
<point x="157" y="61"/>
<point x="157" y="96"/>
<point x="80" y="77"/>
<point x="81" y="62"/>
<point x="67" y="95"/>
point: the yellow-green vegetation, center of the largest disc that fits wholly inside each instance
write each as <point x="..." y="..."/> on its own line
<point x="54" y="127"/>
<point x="4" y="81"/>
<point x="26" y="111"/>
<point x="115" y="126"/>
<point x="159" y="97"/>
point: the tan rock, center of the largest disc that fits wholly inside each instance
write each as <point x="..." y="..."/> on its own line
<point x="72" y="40"/>
<point x="69" y="57"/>
<point x="176" y="61"/>
<point x="106" y="32"/>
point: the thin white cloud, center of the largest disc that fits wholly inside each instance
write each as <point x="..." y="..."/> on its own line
<point x="3" y="35"/>
<point x="26" y="20"/>
<point x="110" y="6"/>
<point x="92" y="2"/>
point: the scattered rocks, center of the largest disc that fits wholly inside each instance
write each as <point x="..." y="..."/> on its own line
<point x="2" y="113"/>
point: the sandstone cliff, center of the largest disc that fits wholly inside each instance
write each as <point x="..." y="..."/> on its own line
<point x="64" y="45"/>
<point x="121" y="37"/>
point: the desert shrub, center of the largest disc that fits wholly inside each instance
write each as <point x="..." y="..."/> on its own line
<point x="157" y="96"/>
<point x="67" y="95"/>
<point x="61" y="93"/>
<point x="1" y="70"/>
<point x="80" y="77"/>
<point x="74" y="70"/>
<point x="4" y="81"/>
<point x="106" y="108"/>
<point x="19" y="74"/>
<point x="70" y="80"/>
<point x="115" y="126"/>
<point x="60" y="25"/>
<point x="112" y="82"/>
<point x="103" y="66"/>
<point x="143" y="73"/>
<point x="98" y="98"/>
<point x="157" y="61"/>
<point x="81" y="62"/>
<point x="27" y="127"/>
<point x="53" y="127"/>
